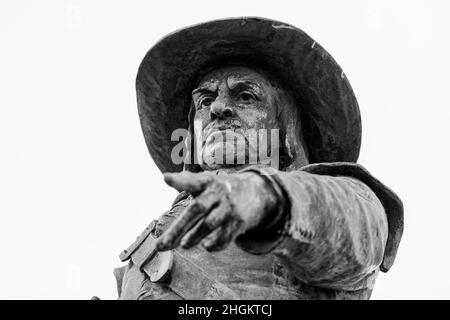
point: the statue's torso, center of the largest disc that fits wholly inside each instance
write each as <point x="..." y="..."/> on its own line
<point x="248" y="276"/>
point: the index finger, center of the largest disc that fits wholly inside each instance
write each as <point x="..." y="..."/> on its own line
<point x="199" y="208"/>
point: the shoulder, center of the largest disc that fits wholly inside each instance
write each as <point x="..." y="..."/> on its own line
<point x="388" y="197"/>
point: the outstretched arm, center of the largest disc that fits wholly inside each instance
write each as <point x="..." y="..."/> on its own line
<point x="329" y="231"/>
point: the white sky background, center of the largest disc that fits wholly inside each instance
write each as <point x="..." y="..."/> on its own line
<point x="77" y="184"/>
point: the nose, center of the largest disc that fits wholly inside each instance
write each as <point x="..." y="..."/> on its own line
<point x="220" y="109"/>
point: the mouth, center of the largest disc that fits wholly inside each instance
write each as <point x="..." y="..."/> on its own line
<point x="220" y="129"/>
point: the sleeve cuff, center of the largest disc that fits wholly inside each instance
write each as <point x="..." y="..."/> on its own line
<point x="266" y="239"/>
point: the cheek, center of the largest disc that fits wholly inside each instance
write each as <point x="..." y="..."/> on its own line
<point x="201" y="120"/>
<point x="259" y="117"/>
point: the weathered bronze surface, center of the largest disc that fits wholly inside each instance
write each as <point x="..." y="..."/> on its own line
<point x="317" y="226"/>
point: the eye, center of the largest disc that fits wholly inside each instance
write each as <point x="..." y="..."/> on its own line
<point x="247" y="96"/>
<point x="205" y="102"/>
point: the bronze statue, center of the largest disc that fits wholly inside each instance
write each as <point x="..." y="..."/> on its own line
<point x="309" y="224"/>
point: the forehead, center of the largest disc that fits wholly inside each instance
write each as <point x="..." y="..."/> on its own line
<point x="234" y="74"/>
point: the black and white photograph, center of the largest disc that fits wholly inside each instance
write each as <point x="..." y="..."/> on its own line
<point x="197" y="150"/>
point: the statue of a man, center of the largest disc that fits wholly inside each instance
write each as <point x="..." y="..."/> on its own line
<point x="310" y="224"/>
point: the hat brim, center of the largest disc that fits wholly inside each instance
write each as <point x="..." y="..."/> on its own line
<point x="169" y="71"/>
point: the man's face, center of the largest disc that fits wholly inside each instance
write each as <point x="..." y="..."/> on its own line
<point x="231" y="105"/>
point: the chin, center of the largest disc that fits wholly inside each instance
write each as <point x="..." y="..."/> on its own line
<point x="214" y="156"/>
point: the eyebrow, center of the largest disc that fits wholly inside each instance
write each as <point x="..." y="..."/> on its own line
<point x="236" y="84"/>
<point x="232" y="84"/>
<point x="205" y="89"/>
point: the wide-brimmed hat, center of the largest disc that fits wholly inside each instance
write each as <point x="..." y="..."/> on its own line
<point x="170" y="70"/>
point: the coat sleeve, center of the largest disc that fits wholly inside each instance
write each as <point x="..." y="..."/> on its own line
<point x="334" y="231"/>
